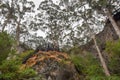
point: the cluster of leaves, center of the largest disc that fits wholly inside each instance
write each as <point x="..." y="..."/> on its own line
<point x="15" y="16"/>
<point x="5" y="45"/>
<point x="11" y="69"/>
<point x="113" y="50"/>
<point x="89" y="67"/>
<point x="10" y="62"/>
<point x="104" y="78"/>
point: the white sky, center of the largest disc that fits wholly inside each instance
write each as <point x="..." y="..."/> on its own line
<point x="39" y="32"/>
<point x="37" y="2"/>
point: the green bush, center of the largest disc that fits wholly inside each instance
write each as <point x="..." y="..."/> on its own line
<point x="78" y="62"/>
<point x="113" y="78"/>
<point x="11" y="69"/>
<point x="87" y="65"/>
<point x="5" y="45"/>
<point x="113" y="50"/>
<point x="23" y="55"/>
<point x="27" y="73"/>
<point x="74" y="50"/>
<point x="90" y="69"/>
<point x="103" y="78"/>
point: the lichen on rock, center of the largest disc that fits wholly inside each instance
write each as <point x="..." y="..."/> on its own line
<point x="52" y="65"/>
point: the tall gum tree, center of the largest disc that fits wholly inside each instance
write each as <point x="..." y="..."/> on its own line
<point x="92" y="35"/>
<point x="54" y="20"/>
<point x="13" y="13"/>
<point x="106" y="7"/>
<point x="89" y="17"/>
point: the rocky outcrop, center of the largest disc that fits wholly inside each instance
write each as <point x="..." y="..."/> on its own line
<point x="46" y="46"/>
<point x="52" y="65"/>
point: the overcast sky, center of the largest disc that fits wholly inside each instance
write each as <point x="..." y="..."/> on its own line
<point x="37" y="2"/>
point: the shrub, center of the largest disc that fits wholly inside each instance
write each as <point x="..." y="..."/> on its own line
<point x="87" y="65"/>
<point x="104" y="78"/>
<point x="113" y="50"/>
<point x="74" y="50"/>
<point x="5" y="45"/>
<point x="79" y="64"/>
<point x="11" y="69"/>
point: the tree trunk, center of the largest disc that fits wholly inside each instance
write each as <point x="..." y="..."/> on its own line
<point x="5" y="23"/>
<point x="114" y="24"/>
<point x="18" y="36"/>
<point x="103" y="63"/>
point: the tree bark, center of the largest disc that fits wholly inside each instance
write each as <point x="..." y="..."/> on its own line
<point x="18" y="36"/>
<point x="103" y="63"/>
<point x="114" y="24"/>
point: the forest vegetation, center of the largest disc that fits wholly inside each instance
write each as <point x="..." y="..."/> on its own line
<point x="81" y="40"/>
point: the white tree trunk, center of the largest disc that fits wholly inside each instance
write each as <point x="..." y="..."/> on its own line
<point x="103" y="63"/>
<point x="18" y="36"/>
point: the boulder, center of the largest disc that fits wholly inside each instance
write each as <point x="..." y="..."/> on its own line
<point x="52" y="65"/>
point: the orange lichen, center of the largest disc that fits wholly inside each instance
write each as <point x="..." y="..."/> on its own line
<point x="41" y="56"/>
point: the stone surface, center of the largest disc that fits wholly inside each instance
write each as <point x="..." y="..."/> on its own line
<point x="53" y="65"/>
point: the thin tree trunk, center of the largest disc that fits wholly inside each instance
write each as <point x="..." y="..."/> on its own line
<point x="5" y="23"/>
<point x="18" y="36"/>
<point x="114" y="24"/>
<point x="107" y="73"/>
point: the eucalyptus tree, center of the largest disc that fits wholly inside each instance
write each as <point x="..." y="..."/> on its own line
<point x="103" y="8"/>
<point x="93" y="13"/>
<point x="106" y="8"/>
<point x="60" y="21"/>
<point x="53" y="20"/>
<point x="91" y="34"/>
<point x="6" y="13"/>
<point x="91" y="21"/>
<point x="14" y="14"/>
